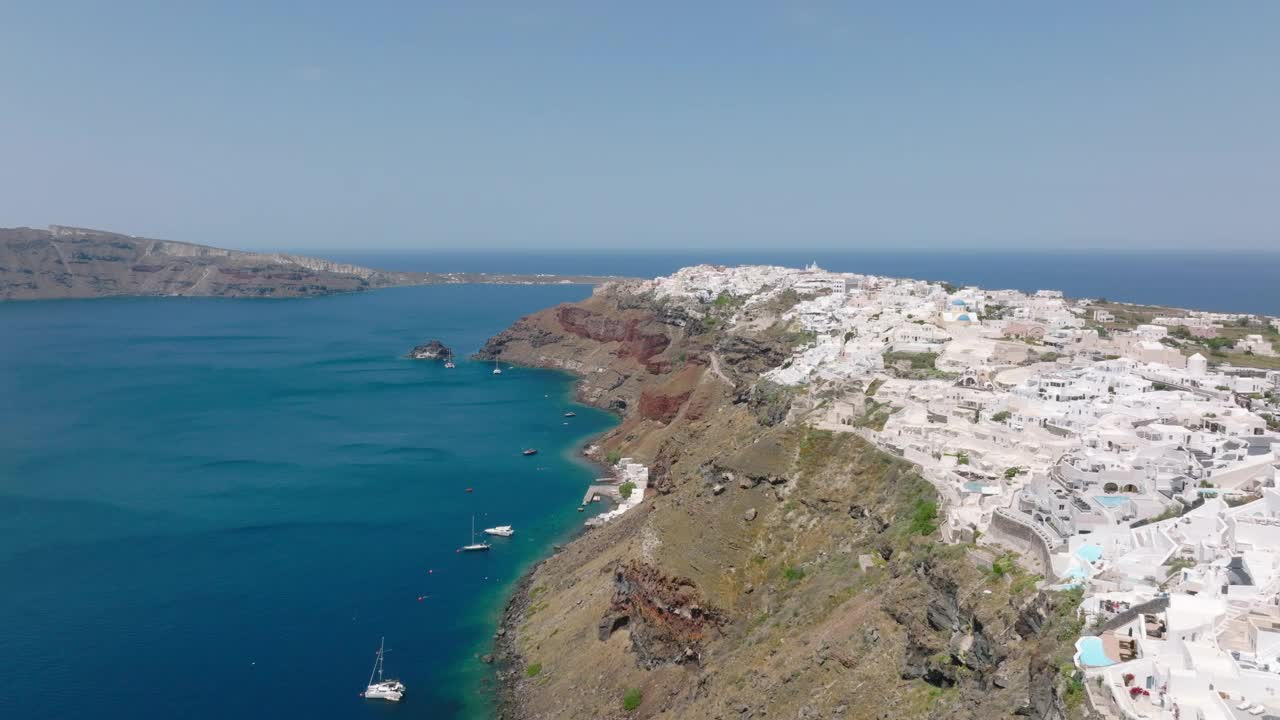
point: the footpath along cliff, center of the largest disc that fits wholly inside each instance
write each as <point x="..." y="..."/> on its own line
<point x="777" y="571"/>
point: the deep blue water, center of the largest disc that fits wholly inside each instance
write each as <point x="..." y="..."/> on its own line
<point x="213" y="508"/>
<point x="1228" y="282"/>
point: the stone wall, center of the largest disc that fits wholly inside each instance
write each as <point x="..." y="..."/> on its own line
<point x="1005" y="525"/>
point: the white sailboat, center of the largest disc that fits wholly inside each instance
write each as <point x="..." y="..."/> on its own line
<point x="496" y="370"/>
<point x="474" y="546"/>
<point x="391" y="690"/>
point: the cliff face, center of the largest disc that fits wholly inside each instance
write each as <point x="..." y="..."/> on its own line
<point x="778" y="571"/>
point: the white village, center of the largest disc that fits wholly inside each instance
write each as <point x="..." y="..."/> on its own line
<point x="1135" y="460"/>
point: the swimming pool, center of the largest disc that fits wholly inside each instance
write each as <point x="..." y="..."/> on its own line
<point x="1089" y="652"/>
<point x="1111" y="500"/>
<point x="1090" y="552"/>
<point x="973" y="486"/>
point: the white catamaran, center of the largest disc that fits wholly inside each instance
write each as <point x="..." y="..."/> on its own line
<point x="474" y="546"/>
<point x="391" y="690"/>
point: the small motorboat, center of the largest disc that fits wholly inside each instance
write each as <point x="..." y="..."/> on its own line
<point x="449" y="364"/>
<point x="391" y="690"/>
<point x="571" y="414"/>
<point x="530" y="451"/>
<point x="500" y="531"/>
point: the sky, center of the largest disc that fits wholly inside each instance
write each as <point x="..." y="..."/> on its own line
<point x="609" y="125"/>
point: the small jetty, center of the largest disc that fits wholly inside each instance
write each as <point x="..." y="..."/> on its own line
<point x="602" y="487"/>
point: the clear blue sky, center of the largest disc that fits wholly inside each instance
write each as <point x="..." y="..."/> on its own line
<point x="623" y="125"/>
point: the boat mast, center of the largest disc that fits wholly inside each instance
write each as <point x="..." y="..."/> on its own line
<point x="377" y="664"/>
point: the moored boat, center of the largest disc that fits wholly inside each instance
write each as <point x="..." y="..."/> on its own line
<point x="383" y="689"/>
<point x="500" y="531"/>
<point x="474" y="546"/>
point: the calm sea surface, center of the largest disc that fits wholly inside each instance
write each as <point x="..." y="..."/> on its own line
<point x="1239" y="282"/>
<point x="214" y="508"/>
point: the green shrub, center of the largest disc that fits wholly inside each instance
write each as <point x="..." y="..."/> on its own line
<point x="631" y="700"/>
<point x="533" y="670"/>
<point x="626" y="488"/>
<point x="793" y="573"/>
<point x="613" y="457"/>
<point x="1000" y="416"/>
<point x="924" y="517"/>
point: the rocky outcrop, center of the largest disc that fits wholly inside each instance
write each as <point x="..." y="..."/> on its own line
<point x="432" y="350"/>
<point x="665" y="616"/>
<point x="632" y="341"/>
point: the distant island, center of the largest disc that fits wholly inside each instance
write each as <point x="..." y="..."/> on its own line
<point x="71" y="262"/>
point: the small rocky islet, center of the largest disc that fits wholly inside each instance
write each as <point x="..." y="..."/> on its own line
<point x="431" y="350"/>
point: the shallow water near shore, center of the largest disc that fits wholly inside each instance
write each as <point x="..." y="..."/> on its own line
<point x="214" y="508"/>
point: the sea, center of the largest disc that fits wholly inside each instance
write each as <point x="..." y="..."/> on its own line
<point x="215" y="508"/>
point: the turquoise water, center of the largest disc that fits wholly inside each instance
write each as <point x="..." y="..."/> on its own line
<point x="214" y="508"/>
<point x="1089" y="652"/>
<point x="1111" y="500"/>
<point x="1090" y="552"/>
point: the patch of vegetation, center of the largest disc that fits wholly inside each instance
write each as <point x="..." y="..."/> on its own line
<point x="533" y="670"/>
<point x="1024" y="582"/>
<point x="816" y="448"/>
<point x="924" y="517"/>
<point x="770" y="402"/>
<point x="873" y="387"/>
<point x="1072" y="687"/>
<point x="626" y="488"/>
<point x="1238" y="500"/>
<point x="613" y="456"/>
<point x="917" y="361"/>
<point x="727" y="299"/>
<point x="1169" y="513"/>
<point x="1003" y="566"/>
<point x="631" y="699"/>
<point x="1178" y="564"/>
<point x="874" y="415"/>
<point x="1013" y="472"/>
<point x="1000" y="416"/>
<point x="782" y="302"/>
<point x="793" y="573"/>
